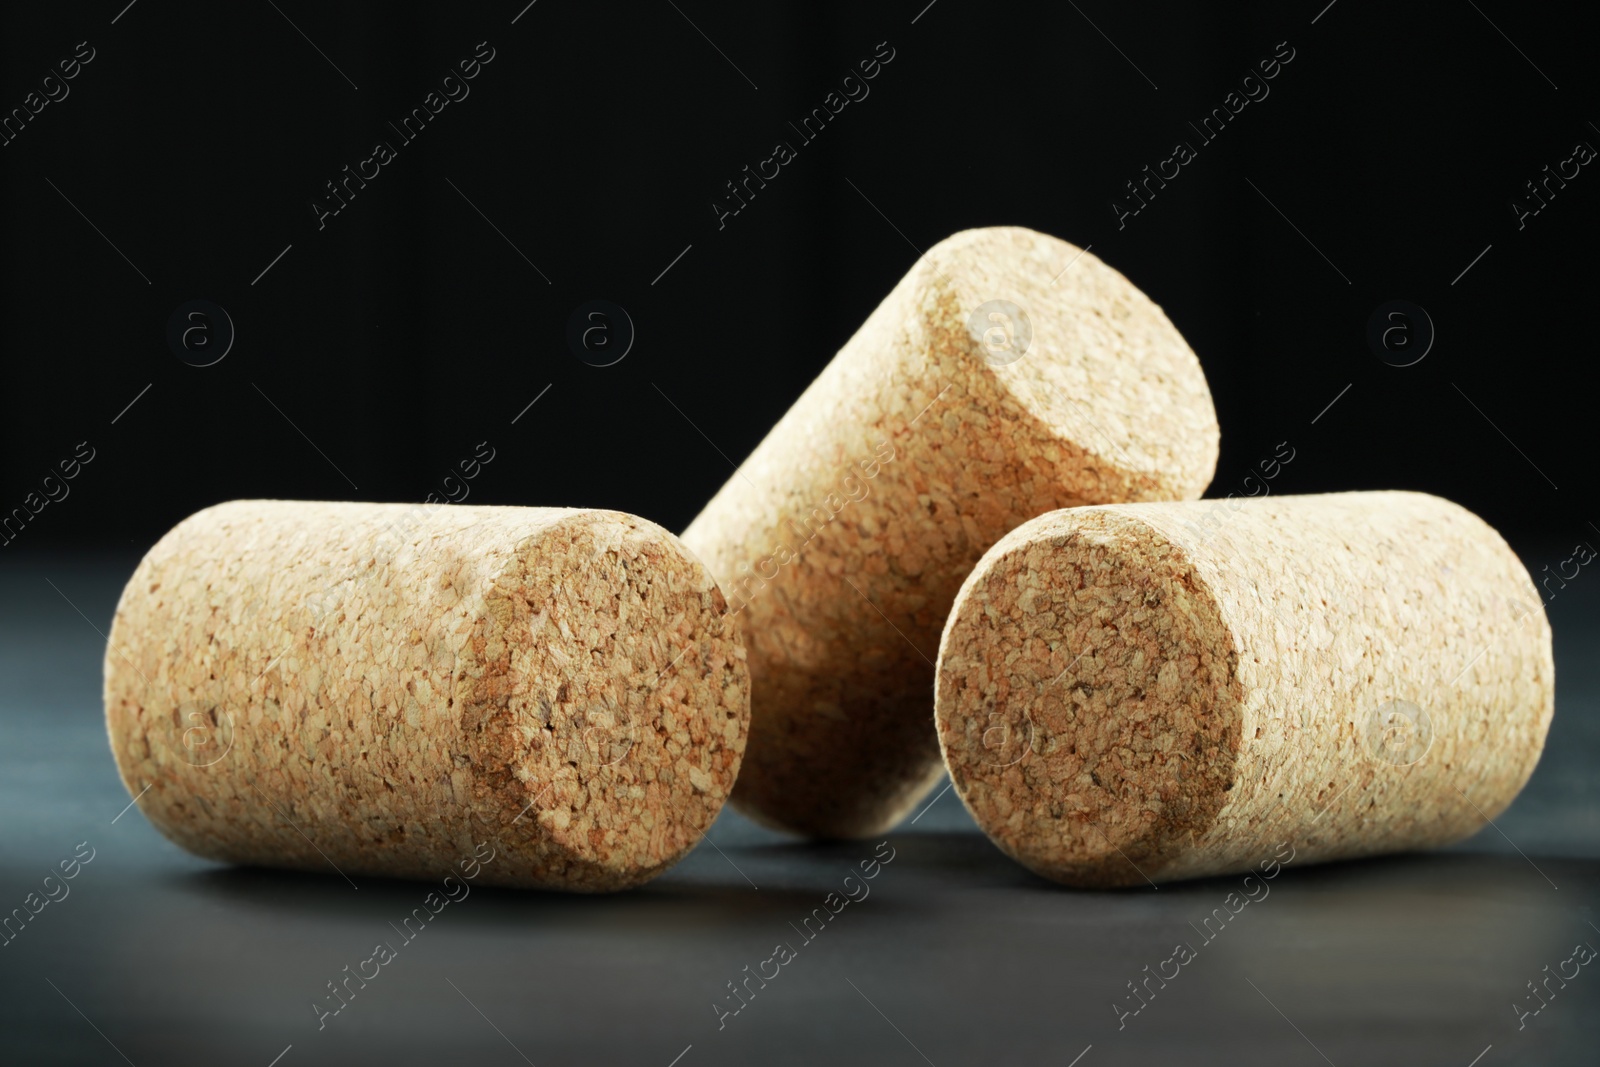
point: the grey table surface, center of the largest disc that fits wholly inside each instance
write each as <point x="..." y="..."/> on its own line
<point x="957" y="956"/>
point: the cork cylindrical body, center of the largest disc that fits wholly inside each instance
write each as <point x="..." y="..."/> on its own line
<point x="1146" y="692"/>
<point x="1009" y="373"/>
<point x="381" y="689"/>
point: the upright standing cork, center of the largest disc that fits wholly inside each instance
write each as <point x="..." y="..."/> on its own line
<point x="1007" y="374"/>
<point x="1156" y="691"/>
<point x="377" y="689"/>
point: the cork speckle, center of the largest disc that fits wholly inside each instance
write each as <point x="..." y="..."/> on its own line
<point x="1340" y="672"/>
<point x="845" y="536"/>
<point x="1094" y="645"/>
<point x="401" y="687"/>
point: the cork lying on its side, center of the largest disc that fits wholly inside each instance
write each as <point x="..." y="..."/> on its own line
<point x="1007" y="374"/>
<point x="1156" y="691"/>
<point x="377" y="689"/>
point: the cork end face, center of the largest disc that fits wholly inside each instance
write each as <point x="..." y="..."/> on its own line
<point x="1087" y="703"/>
<point x="784" y="796"/>
<point x="612" y="709"/>
<point x="1082" y="352"/>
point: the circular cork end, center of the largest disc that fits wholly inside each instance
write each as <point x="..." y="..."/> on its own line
<point x="377" y="689"/>
<point x="614" y="763"/>
<point x="1086" y="356"/>
<point x="1086" y="700"/>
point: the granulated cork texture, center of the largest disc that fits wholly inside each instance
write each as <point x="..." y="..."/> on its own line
<point x="1009" y="373"/>
<point x="1139" y="693"/>
<point x="374" y="689"/>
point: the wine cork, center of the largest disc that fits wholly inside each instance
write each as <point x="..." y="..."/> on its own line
<point x="1138" y="693"/>
<point x="378" y="689"/>
<point x="1009" y="373"/>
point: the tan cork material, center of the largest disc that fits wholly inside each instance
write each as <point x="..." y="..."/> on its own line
<point x="375" y="688"/>
<point x="1137" y="693"/>
<point x="1009" y="373"/>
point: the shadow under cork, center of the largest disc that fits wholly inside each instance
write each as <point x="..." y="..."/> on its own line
<point x="302" y="894"/>
<point x="952" y="858"/>
<point x="959" y="860"/>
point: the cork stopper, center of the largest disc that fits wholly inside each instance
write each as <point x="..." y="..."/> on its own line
<point x="1008" y="374"/>
<point x="1144" y="692"/>
<point x="377" y="689"/>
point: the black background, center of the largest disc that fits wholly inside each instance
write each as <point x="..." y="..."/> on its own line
<point x="377" y="353"/>
<point x="408" y="330"/>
